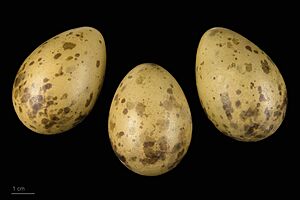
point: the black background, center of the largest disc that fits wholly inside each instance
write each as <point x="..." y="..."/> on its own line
<point x="81" y="161"/>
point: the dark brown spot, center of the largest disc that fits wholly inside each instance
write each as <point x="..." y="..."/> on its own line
<point x="120" y="134"/>
<point x="279" y="89"/>
<point x="265" y="66"/>
<point x="238" y="92"/>
<point x="64" y="96"/>
<point x="69" y="58"/>
<point x="68" y="45"/>
<point x="46" y="87"/>
<point x="125" y="111"/>
<point x="255" y="51"/>
<point x="238" y="103"/>
<point x="112" y="125"/>
<point x="56" y="56"/>
<point x="20" y="109"/>
<point x="251" y="85"/>
<point x="98" y="63"/>
<point x="259" y="89"/>
<point x="67" y="110"/>
<point x="88" y="101"/>
<point x="248" y="67"/>
<point x="77" y="55"/>
<point x="248" y="48"/>
<point x="45" y="80"/>
<point x="226" y="105"/>
<point x="170" y="91"/>
<point x="31" y="63"/>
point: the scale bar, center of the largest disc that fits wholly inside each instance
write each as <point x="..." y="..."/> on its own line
<point x="22" y="193"/>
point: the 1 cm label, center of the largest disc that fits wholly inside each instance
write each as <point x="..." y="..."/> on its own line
<point x="19" y="189"/>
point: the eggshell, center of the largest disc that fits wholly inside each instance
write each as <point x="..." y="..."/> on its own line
<point x="240" y="88"/>
<point x="58" y="84"/>
<point x="150" y="124"/>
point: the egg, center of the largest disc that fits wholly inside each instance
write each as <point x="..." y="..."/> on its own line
<point x="150" y="124"/>
<point x="240" y="88"/>
<point x="57" y="85"/>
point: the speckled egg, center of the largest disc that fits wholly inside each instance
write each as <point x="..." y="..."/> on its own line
<point x="240" y="88"/>
<point x="58" y="84"/>
<point x="150" y="124"/>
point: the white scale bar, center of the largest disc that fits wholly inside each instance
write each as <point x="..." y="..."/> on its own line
<point x="22" y="193"/>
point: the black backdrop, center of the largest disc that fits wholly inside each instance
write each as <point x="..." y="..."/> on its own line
<point x="81" y="161"/>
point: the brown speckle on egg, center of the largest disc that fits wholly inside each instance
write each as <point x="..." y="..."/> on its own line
<point x="125" y="111"/>
<point x="170" y="91"/>
<point x="248" y="48"/>
<point x="68" y="45"/>
<point x="88" y="101"/>
<point x="265" y="66"/>
<point x="56" y="56"/>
